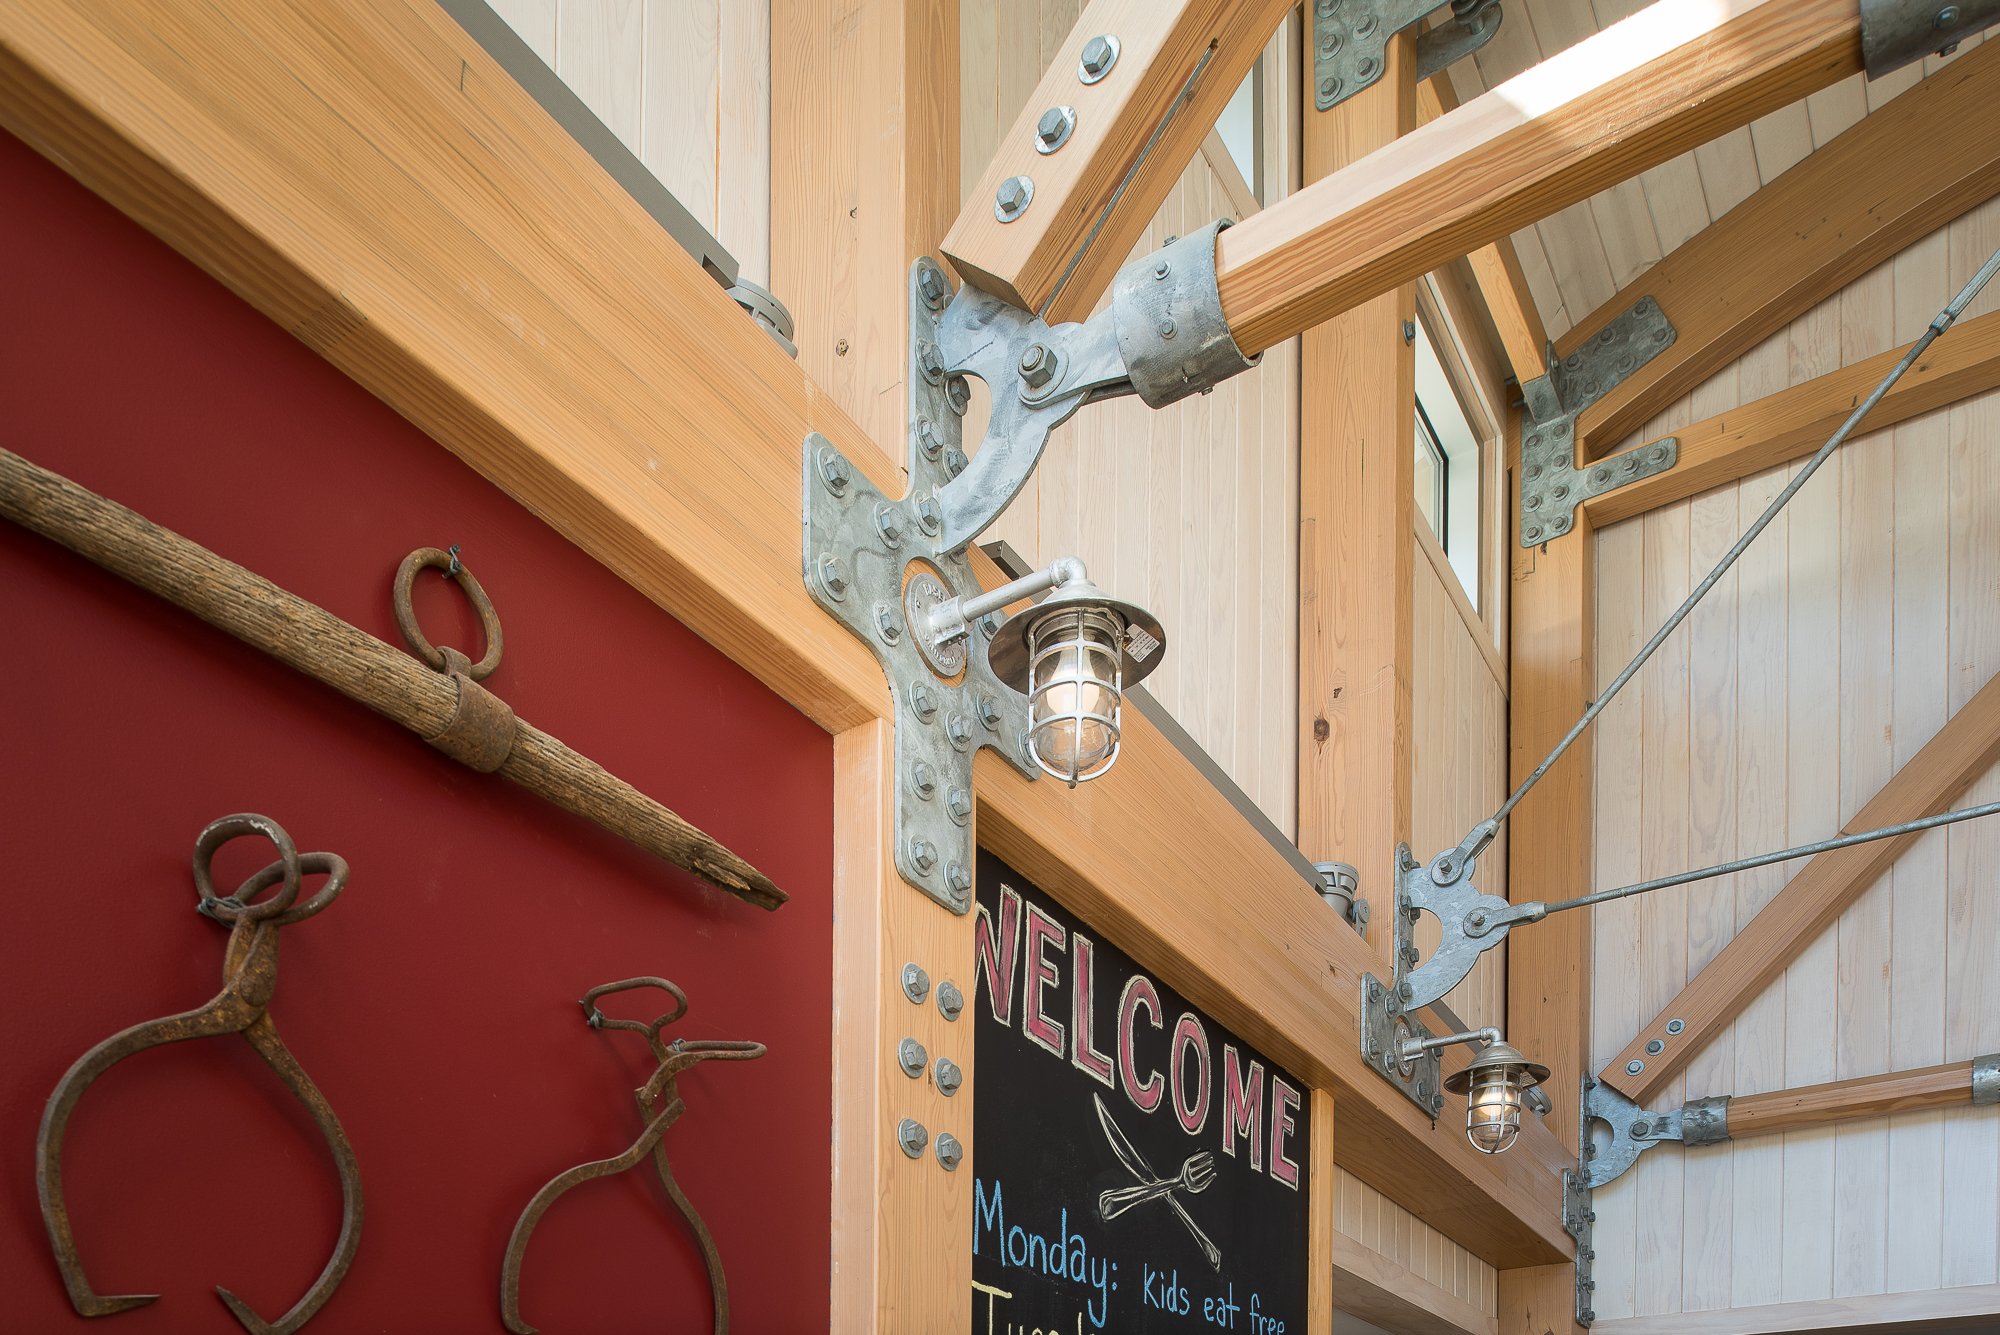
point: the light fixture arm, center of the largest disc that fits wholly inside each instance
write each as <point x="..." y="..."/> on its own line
<point x="1418" y="1045"/>
<point x="953" y="619"/>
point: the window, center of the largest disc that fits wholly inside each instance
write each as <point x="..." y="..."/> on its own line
<point x="1447" y="465"/>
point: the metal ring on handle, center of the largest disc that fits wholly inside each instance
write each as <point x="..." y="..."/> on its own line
<point x="406" y="616"/>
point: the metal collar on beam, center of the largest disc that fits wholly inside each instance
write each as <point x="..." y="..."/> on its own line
<point x="1894" y="33"/>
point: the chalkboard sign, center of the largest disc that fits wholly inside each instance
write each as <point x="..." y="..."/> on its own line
<point x="1136" y="1166"/>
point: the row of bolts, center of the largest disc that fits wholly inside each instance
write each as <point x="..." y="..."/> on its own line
<point x="910" y="1055"/>
<point x="1011" y="200"/>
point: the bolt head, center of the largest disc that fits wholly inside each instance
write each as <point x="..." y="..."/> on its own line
<point x="1099" y="55"/>
<point x="948" y="1076"/>
<point x="949" y="1151"/>
<point x="932" y="287"/>
<point x="887" y="624"/>
<point x="924" y="701"/>
<point x="923" y="779"/>
<point x="1162" y="269"/>
<point x="833" y="577"/>
<point x="958" y="803"/>
<point x="989" y="713"/>
<point x="960" y="731"/>
<point x="1328" y="87"/>
<point x="1676" y="1026"/>
<point x="923" y="855"/>
<point x="950" y="1001"/>
<point x="1634" y="1066"/>
<point x="929" y="361"/>
<point x="1038" y="366"/>
<point x="1656" y="1047"/>
<point x="916" y="983"/>
<point x="911" y="1135"/>
<point x="957" y="882"/>
<point x="1642" y="1128"/>
<point x="1011" y="200"/>
<point x="928" y="439"/>
<point x="1054" y="128"/>
<point x="929" y="517"/>
<point x="958" y="394"/>
<point x="889" y="523"/>
<point x="1947" y="16"/>
<point x="955" y="462"/>
<point x="910" y="1055"/>
<point x="1168" y="329"/>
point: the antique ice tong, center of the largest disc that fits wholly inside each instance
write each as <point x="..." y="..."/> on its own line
<point x="659" y="1107"/>
<point x="250" y="975"/>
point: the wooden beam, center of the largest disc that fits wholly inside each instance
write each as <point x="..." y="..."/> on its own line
<point x="1884" y="1313"/>
<point x="1539" y="1300"/>
<point x="1381" y="1292"/>
<point x="1795" y="422"/>
<point x="1496" y="267"/>
<point x="1323" y="1240"/>
<point x="1553" y="678"/>
<point x="368" y="177"/>
<point x="864" y="147"/>
<point x="1357" y="509"/>
<point x="1779" y="1110"/>
<point x="1894" y="178"/>
<point x="1086" y="214"/>
<point x="1961" y="754"/>
<point x="1636" y="94"/>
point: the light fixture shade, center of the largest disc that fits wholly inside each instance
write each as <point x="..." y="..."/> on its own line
<point x="1493" y="1084"/>
<point x="1074" y="655"/>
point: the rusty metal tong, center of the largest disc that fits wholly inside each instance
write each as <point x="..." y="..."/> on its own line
<point x="250" y="975"/>
<point x="660" y="1107"/>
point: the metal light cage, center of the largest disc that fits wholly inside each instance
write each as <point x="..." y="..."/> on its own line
<point x="1493" y="1085"/>
<point x="1076" y="686"/>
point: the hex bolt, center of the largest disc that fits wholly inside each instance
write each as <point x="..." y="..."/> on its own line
<point x="929" y="517"/>
<point x="1162" y="269"/>
<point x="957" y="882"/>
<point x="910" y="1055"/>
<point x="948" y="1076"/>
<point x="888" y="624"/>
<point x="1168" y="328"/>
<point x="1011" y="200"/>
<point x="932" y="287"/>
<point x="1676" y="1025"/>
<point x="1038" y="366"/>
<point x="924" y="701"/>
<point x="929" y="361"/>
<point x="833" y="577"/>
<point x="889" y="523"/>
<point x="958" y="804"/>
<point x="911" y="1135"/>
<point x="923" y="780"/>
<point x="989" y="713"/>
<point x="1532" y="533"/>
<point x="1099" y="55"/>
<point x="1656" y="1047"/>
<point x="956" y="728"/>
<point x="1634" y="1066"/>
<point x="923" y="855"/>
<point x="928" y="439"/>
<point x="950" y="1000"/>
<point x="958" y="394"/>
<point x="1053" y="130"/>
<point x="1328" y="88"/>
<point x="833" y="470"/>
<point x="989" y="626"/>
<point x="949" y="1151"/>
<point x="1641" y="1129"/>
<point x="916" y="983"/>
<point x="955" y="461"/>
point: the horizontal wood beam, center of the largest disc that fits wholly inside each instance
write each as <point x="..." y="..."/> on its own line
<point x="1961" y="753"/>
<point x="1376" y="1289"/>
<point x="1795" y="422"/>
<point x="1889" y="181"/>
<point x="1849" y="1100"/>
<point x="1094" y="196"/>
<point x="368" y="177"/>
<point x="1496" y="267"/>
<point x="1634" y="95"/>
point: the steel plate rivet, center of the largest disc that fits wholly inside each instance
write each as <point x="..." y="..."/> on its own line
<point x="949" y="1151"/>
<point x="910" y="1055"/>
<point x="916" y="983"/>
<point x="950" y="1000"/>
<point x="1634" y="1066"/>
<point x="989" y="626"/>
<point x="1600" y="474"/>
<point x="1368" y="68"/>
<point x="911" y="1135"/>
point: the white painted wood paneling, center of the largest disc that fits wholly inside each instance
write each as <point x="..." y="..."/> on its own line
<point x="1839" y="645"/>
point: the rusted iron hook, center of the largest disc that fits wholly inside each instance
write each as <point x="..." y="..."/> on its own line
<point x="480" y="733"/>
<point x="660" y="1107"/>
<point x="250" y="975"/>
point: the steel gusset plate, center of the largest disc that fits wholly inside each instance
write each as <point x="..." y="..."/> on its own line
<point x="1351" y="40"/>
<point x="860" y="547"/>
<point x="1385" y="1028"/>
<point x="1419" y="892"/>
<point x="1552" y="486"/>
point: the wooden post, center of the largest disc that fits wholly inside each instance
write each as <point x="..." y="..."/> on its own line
<point x="1357" y="506"/>
<point x="864" y="157"/>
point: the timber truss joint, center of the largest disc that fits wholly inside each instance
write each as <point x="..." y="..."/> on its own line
<point x="1552" y="486"/>
<point x="1351" y="41"/>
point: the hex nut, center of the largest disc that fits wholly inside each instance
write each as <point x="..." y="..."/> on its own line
<point x="916" y="983"/>
<point x="910" y="1055"/>
<point x="1011" y="200"/>
<point x="1099" y="55"/>
<point x="1054" y="128"/>
<point x="911" y="1135"/>
<point x="950" y="1001"/>
<point x="949" y="1151"/>
<point x="948" y="1076"/>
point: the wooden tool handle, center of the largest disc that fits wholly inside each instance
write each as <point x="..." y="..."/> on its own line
<point x="353" y="662"/>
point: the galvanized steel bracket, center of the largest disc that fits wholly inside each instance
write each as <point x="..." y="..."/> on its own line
<point x="1351" y="40"/>
<point x="1580" y="1222"/>
<point x="860" y="547"/>
<point x="1386" y="1025"/>
<point x="1895" y="33"/>
<point x="1552" y="486"/>
<point x="1633" y="1131"/>
<point x="1986" y="1081"/>
<point x="1470" y="923"/>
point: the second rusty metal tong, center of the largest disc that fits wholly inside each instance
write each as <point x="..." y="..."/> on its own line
<point x="250" y="975"/>
<point x="660" y="1107"/>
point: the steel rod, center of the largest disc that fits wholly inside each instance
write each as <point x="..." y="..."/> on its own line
<point x="1783" y="855"/>
<point x="319" y="644"/>
<point x="1486" y="829"/>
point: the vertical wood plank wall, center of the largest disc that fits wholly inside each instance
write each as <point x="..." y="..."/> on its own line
<point x="1857" y="624"/>
<point x="1192" y="511"/>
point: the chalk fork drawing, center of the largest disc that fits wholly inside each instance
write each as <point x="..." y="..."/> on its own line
<point x="1200" y="1168"/>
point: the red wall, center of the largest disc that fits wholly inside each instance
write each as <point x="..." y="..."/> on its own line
<point x="434" y="1003"/>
